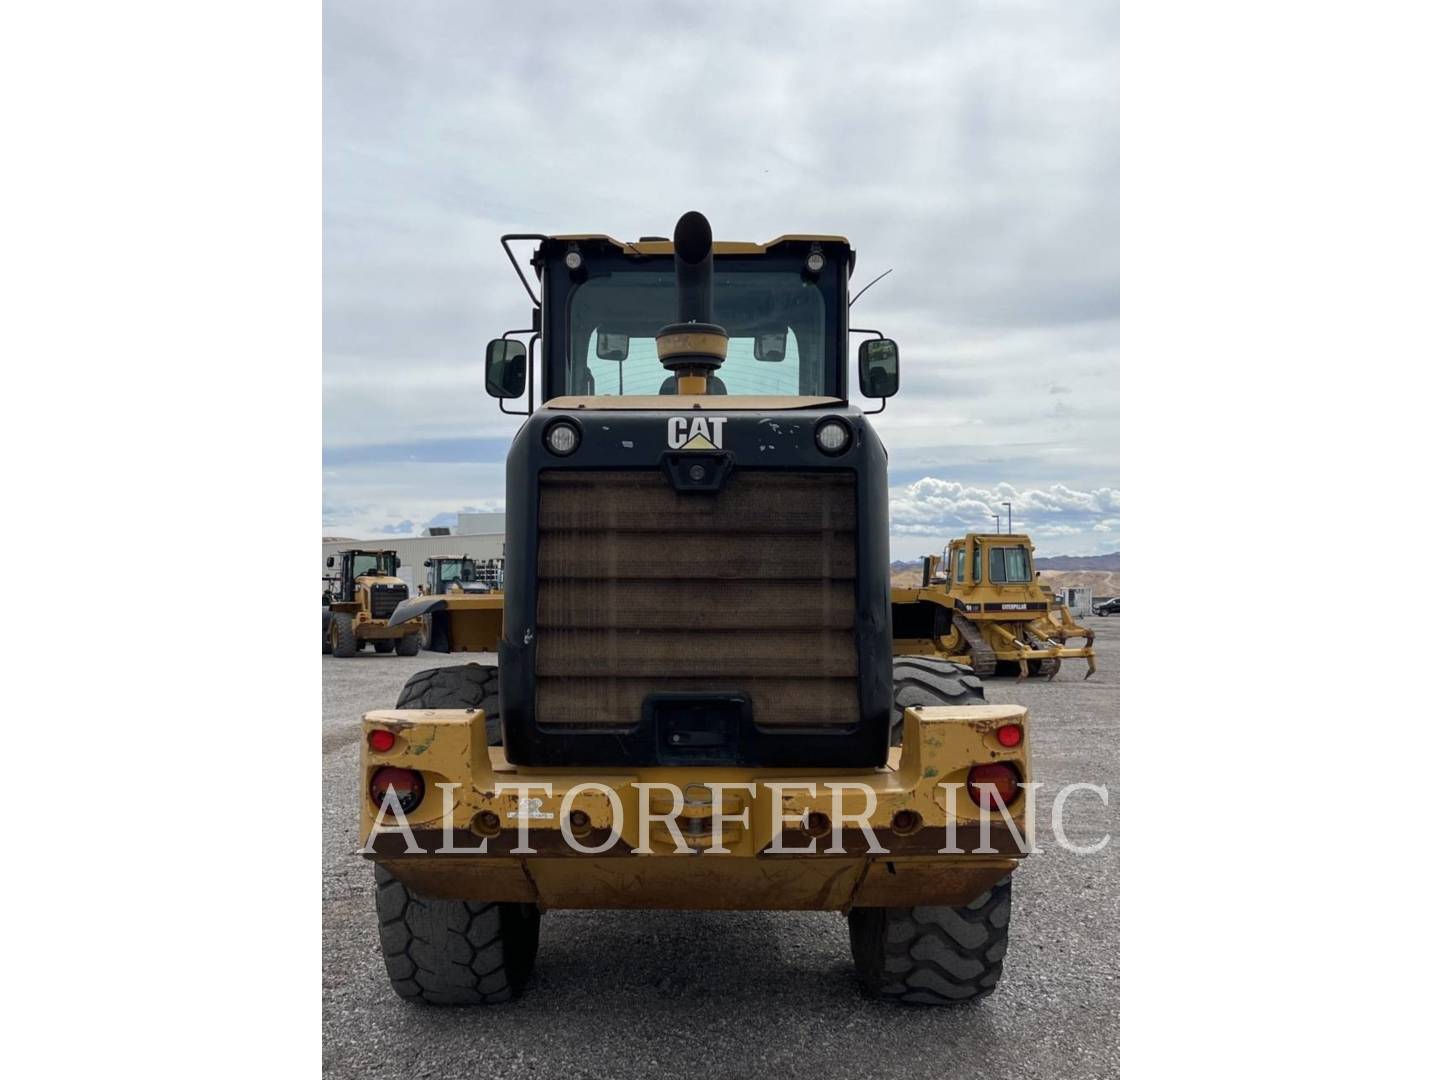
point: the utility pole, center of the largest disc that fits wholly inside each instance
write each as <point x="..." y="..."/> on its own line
<point x="1008" y="525"/>
<point x="997" y="522"/>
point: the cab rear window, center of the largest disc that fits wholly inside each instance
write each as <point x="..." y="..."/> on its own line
<point x="1009" y="565"/>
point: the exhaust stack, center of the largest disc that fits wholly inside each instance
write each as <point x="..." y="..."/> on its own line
<point x="693" y="347"/>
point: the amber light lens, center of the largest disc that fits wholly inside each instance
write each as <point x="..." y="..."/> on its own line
<point x="1005" y="778"/>
<point x="1010" y="735"/>
<point x="409" y="787"/>
<point x="382" y="741"/>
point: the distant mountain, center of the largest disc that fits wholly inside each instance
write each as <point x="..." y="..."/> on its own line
<point x="1100" y="573"/>
<point x="1050" y="562"/>
<point x="1079" y="562"/>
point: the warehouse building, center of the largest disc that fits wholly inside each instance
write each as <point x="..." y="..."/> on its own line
<point x="481" y="536"/>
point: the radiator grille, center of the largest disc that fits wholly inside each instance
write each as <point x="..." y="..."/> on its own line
<point x="384" y="599"/>
<point x="644" y="590"/>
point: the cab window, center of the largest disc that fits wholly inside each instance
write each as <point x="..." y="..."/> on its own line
<point x="1009" y="565"/>
<point x="382" y="565"/>
<point x="775" y="320"/>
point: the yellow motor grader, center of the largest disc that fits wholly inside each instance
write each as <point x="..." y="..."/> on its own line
<point x="358" y="602"/>
<point x="697" y="705"/>
<point x="983" y="605"/>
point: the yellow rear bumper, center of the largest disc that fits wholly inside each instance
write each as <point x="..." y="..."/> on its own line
<point x="791" y="839"/>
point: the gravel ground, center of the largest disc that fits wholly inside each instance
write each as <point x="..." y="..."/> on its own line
<point x="722" y="994"/>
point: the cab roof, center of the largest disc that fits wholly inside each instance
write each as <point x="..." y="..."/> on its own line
<point x="721" y="247"/>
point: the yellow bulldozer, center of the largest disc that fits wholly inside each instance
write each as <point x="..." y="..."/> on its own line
<point x="358" y="602"/>
<point x="983" y="605"/>
<point x="696" y="706"/>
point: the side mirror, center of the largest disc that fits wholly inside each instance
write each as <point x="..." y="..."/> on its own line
<point x="770" y="348"/>
<point x="427" y="564"/>
<point x="505" y="368"/>
<point x="397" y="564"/>
<point x="612" y="346"/>
<point x="330" y="561"/>
<point x="879" y="368"/>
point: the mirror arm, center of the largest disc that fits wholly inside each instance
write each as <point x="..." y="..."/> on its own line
<point x="505" y="243"/>
<point x="879" y="336"/>
<point x="529" y="371"/>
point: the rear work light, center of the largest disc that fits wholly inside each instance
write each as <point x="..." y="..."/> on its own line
<point x="1005" y="780"/>
<point x="409" y="787"/>
<point x="1010" y="735"/>
<point x="382" y="741"/>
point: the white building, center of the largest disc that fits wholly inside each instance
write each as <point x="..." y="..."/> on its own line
<point x="487" y="541"/>
<point x="1075" y="597"/>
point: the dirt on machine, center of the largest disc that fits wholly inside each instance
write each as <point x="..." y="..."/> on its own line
<point x="981" y="604"/>
<point x="696" y="704"/>
<point x="358" y="602"/>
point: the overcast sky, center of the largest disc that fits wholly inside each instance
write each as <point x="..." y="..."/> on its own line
<point x="974" y="147"/>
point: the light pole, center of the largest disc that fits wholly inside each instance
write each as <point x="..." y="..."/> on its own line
<point x="997" y="522"/>
<point x="1008" y="526"/>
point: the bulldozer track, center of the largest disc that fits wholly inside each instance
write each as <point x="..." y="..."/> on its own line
<point x="982" y="657"/>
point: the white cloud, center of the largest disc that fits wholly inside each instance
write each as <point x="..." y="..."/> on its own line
<point x="931" y="509"/>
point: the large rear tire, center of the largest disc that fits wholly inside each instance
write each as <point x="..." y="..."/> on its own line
<point x="454" y="952"/>
<point x="342" y="634"/>
<point x="924" y="680"/>
<point x="409" y="645"/>
<point x="933" y="955"/>
<point x="463" y="686"/>
<point x="384" y="645"/>
<point x="325" y="633"/>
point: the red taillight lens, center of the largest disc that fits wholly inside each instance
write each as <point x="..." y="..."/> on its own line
<point x="1010" y="734"/>
<point x="1004" y="777"/>
<point x="382" y="741"/>
<point x="409" y="787"/>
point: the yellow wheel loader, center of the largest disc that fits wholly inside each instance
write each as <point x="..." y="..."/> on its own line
<point x="982" y="605"/>
<point x="461" y="606"/>
<point x="358" y="602"/>
<point x="697" y="705"/>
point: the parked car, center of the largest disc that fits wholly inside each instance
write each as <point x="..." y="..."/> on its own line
<point x="1109" y="607"/>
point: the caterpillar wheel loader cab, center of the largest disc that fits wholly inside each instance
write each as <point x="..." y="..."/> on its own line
<point x="358" y="602"/>
<point x="461" y="608"/>
<point x="697" y="696"/>
<point x="982" y="605"/>
<point x="448" y="574"/>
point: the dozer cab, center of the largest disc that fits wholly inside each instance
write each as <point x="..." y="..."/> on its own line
<point x="982" y="605"/>
<point x="697" y="704"/>
<point x="461" y="609"/>
<point x="358" y="602"/>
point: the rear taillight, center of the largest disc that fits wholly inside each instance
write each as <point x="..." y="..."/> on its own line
<point x="409" y="787"/>
<point x="382" y="741"/>
<point x="1004" y="778"/>
<point x="1010" y="735"/>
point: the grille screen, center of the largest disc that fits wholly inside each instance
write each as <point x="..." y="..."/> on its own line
<point x="643" y="590"/>
<point x="384" y="599"/>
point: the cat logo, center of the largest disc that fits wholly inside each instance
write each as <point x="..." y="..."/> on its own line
<point x="695" y="432"/>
